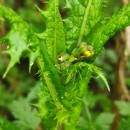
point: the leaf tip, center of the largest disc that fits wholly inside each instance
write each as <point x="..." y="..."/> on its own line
<point x="4" y="75"/>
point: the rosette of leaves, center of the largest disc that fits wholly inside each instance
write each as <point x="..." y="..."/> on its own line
<point x="59" y="102"/>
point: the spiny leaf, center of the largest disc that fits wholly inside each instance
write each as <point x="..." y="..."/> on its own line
<point x="52" y="90"/>
<point x="84" y="74"/>
<point x="26" y="117"/>
<point x="46" y="108"/>
<point x="82" y="17"/>
<point x="62" y="116"/>
<point x="20" y="37"/>
<point x="30" y="43"/>
<point x="108" y="28"/>
<point x="92" y="15"/>
<point x="48" y="67"/>
<point x="99" y="73"/>
<point x="79" y="81"/>
<point x="15" y="50"/>
<point x="53" y="36"/>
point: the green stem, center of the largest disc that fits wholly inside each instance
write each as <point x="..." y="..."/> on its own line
<point x="51" y="87"/>
<point x="84" y="22"/>
<point x="55" y="86"/>
<point x="55" y="50"/>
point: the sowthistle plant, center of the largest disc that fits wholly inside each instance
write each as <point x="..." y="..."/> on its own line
<point x="65" y="53"/>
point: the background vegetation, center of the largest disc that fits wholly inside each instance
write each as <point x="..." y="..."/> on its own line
<point x="102" y="110"/>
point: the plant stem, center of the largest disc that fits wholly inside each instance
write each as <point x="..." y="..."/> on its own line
<point x="84" y="22"/>
<point x="50" y="86"/>
<point x="52" y="80"/>
<point x="55" y="36"/>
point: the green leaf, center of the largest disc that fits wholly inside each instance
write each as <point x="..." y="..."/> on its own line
<point x="6" y="125"/>
<point x="108" y="28"/>
<point x="46" y="108"/>
<point x="20" y="37"/>
<point x="85" y="74"/>
<point x="52" y="79"/>
<point x="78" y="77"/>
<point x="83" y="124"/>
<point x="25" y="116"/>
<point x="75" y="89"/>
<point x="104" y="121"/>
<point x="99" y="73"/>
<point x="53" y="36"/>
<point x="63" y="99"/>
<point x="62" y="116"/>
<point x="82" y="17"/>
<point x="124" y="107"/>
<point x="124" y="124"/>
<point x="27" y="41"/>
<point x="91" y="16"/>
